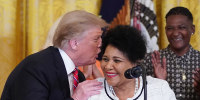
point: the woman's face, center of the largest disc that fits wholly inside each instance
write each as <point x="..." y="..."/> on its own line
<point x="179" y="30"/>
<point x="114" y="64"/>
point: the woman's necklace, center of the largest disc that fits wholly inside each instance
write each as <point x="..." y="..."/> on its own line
<point x="181" y="68"/>
<point x="113" y="92"/>
<point x="136" y="88"/>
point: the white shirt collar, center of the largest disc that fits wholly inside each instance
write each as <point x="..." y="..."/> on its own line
<point x="69" y="65"/>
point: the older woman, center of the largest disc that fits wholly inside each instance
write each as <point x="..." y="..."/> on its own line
<point x="123" y="48"/>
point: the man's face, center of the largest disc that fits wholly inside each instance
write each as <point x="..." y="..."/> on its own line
<point x="179" y="30"/>
<point x="89" y="46"/>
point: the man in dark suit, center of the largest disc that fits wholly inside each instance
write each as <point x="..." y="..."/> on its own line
<point x="47" y="75"/>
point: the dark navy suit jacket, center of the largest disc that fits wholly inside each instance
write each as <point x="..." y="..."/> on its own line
<point x="40" y="76"/>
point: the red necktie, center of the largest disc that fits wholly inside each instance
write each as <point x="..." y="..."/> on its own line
<point x="75" y="78"/>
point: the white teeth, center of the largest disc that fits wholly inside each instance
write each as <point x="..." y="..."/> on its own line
<point x="111" y="74"/>
<point x="177" y="39"/>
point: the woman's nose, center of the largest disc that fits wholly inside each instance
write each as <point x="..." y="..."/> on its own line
<point x="176" y="31"/>
<point x="109" y="65"/>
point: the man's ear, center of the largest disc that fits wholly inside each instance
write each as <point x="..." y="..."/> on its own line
<point x="73" y="44"/>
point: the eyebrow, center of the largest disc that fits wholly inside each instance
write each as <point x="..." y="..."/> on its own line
<point x="118" y="57"/>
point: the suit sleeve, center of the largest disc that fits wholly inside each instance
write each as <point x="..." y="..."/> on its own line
<point x="31" y="85"/>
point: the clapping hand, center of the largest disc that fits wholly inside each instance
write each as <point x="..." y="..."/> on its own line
<point x="91" y="70"/>
<point x="87" y="71"/>
<point x="159" y="66"/>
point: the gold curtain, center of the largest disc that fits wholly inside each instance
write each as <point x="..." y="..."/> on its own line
<point x="24" y="25"/>
<point x="163" y="6"/>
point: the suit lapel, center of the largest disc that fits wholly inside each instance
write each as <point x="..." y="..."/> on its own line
<point x="61" y="72"/>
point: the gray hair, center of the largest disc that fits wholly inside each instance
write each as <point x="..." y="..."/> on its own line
<point x="73" y="24"/>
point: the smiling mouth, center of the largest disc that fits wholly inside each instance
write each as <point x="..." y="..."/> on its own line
<point x="177" y="39"/>
<point x="111" y="75"/>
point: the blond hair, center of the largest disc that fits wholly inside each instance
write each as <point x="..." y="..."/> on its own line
<point x="73" y="24"/>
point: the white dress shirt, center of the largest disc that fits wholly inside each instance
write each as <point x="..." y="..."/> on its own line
<point x="70" y="66"/>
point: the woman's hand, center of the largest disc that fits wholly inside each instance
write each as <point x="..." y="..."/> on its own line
<point x="159" y="66"/>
